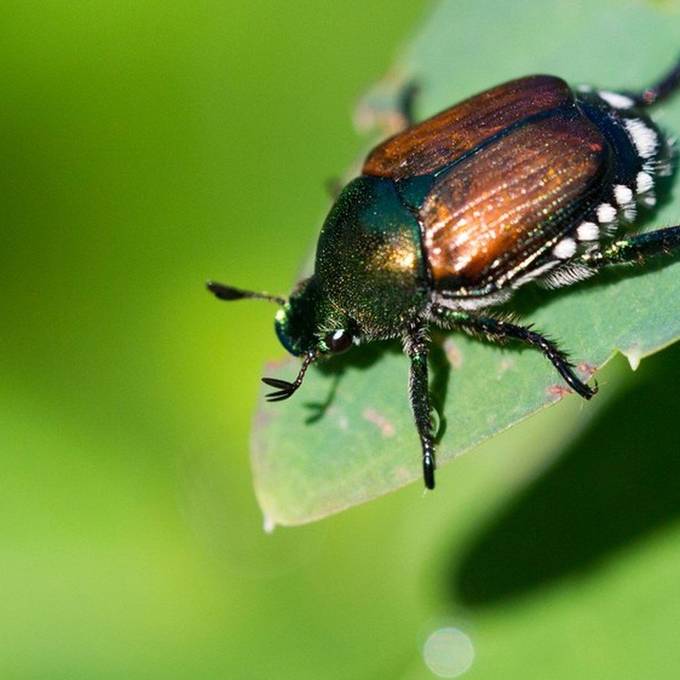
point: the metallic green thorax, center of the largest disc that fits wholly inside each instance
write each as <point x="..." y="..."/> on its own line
<point x="369" y="275"/>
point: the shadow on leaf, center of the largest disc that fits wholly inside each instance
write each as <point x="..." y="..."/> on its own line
<point x="617" y="483"/>
<point x="365" y="356"/>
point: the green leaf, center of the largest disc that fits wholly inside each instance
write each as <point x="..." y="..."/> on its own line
<point x="348" y="435"/>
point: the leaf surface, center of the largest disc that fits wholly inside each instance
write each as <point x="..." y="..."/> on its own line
<point x="348" y="435"/>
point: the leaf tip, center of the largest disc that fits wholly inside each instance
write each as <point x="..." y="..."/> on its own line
<point x="268" y="524"/>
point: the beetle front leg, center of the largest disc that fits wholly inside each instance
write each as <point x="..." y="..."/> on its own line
<point x="416" y="346"/>
<point x="501" y="331"/>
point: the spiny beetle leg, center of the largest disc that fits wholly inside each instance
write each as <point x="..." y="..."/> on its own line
<point x="500" y="331"/>
<point x="662" y="89"/>
<point x="416" y="347"/>
<point x="636" y="248"/>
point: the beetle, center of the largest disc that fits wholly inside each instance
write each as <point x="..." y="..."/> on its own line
<point x="528" y="181"/>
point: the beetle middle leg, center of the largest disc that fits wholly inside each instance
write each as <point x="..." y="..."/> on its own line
<point x="497" y="330"/>
<point x="416" y="346"/>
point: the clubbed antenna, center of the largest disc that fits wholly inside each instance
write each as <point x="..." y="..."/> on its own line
<point x="222" y="292"/>
<point x="287" y="389"/>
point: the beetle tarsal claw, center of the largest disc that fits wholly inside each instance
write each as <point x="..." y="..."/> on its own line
<point x="285" y="388"/>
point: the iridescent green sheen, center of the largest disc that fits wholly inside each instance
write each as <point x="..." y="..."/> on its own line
<point x="369" y="275"/>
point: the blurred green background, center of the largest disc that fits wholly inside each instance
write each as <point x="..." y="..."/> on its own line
<point x="147" y="147"/>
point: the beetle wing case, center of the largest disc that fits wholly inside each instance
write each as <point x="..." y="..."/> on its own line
<point x="511" y="184"/>
<point x="496" y="211"/>
<point x="438" y="141"/>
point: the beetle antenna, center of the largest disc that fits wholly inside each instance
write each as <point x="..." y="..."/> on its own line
<point x="222" y="292"/>
<point x="287" y="389"/>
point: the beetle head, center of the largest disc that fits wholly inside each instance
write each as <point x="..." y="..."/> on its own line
<point x="310" y="327"/>
<point x="307" y="325"/>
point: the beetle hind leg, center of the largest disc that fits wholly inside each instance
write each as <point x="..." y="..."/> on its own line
<point x="667" y="85"/>
<point x="635" y="249"/>
<point x="500" y="331"/>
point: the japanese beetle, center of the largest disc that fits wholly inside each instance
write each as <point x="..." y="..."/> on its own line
<point x="527" y="181"/>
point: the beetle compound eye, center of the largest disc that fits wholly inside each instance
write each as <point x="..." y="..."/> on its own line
<point x="339" y="341"/>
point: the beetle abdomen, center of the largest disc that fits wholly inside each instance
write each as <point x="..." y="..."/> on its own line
<point x="495" y="212"/>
